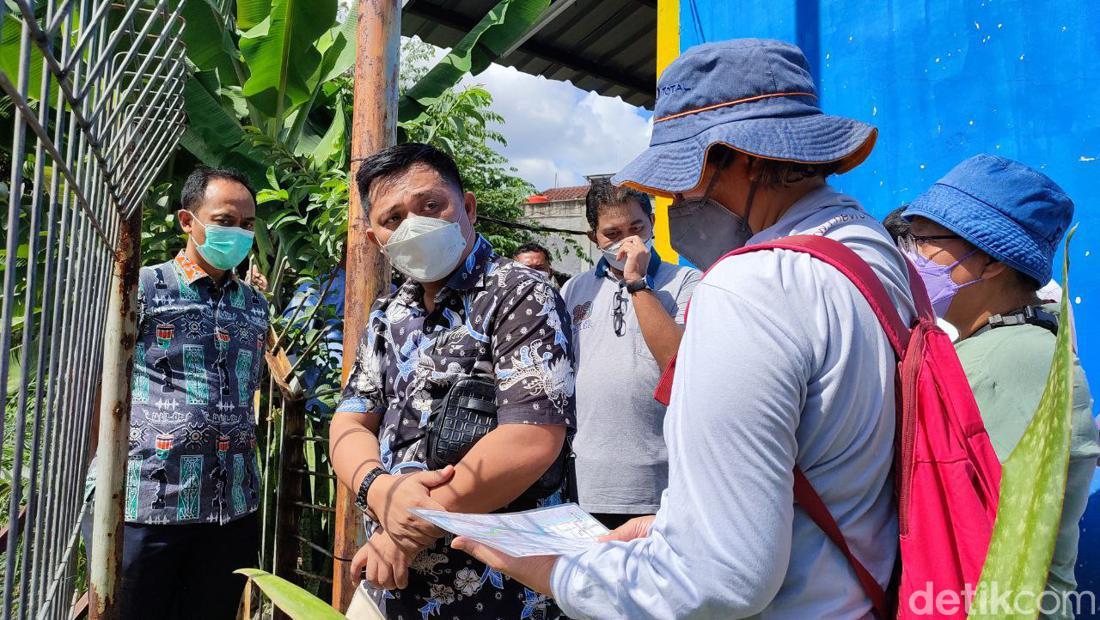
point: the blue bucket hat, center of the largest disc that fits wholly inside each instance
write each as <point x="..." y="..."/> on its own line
<point x="1011" y="212"/>
<point x="753" y="95"/>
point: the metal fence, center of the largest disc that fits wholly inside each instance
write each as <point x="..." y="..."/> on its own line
<point x="92" y="92"/>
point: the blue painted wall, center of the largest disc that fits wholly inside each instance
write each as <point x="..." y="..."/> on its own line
<point x="944" y="80"/>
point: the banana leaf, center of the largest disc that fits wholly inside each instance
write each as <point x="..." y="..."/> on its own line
<point x="11" y="30"/>
<point x="340" y="55"/>
<point x="252" y="12"/>
<point x="282" y="56"/>
<point x="215" y="136"/>
<point x="334" y="142"/>
<point x="502" y="26"/>
<point x="214" y="132"/>
<point x="1033" y="484"/>
<point x="292" y="600"/>
<point x="209" y="44"/>
<point x="337" y="48"/>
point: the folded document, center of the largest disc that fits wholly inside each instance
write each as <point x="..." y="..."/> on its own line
<point x="554" y="530"/>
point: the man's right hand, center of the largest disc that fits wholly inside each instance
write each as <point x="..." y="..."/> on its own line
<point x="391" y="497"/>
<point x="638" y="527"/>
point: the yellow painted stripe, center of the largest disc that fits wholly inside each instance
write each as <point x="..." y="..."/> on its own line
<point x="668" y="48"/>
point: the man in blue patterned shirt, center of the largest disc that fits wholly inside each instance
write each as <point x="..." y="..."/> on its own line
<point x="192" y="487"/>
<point x="464" y="315"/>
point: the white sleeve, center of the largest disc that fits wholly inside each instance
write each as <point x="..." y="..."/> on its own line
<point x="720" y="545"/>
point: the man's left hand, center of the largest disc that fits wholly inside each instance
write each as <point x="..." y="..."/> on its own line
<point x="381" y="563"/>
<point x="533" y="571"/>
<point x="635" y="256"/>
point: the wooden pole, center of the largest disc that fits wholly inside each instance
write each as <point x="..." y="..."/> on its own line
<point x="373" y="128"/>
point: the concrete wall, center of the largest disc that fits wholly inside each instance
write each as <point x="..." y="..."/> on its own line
<point x="567" y="215"/>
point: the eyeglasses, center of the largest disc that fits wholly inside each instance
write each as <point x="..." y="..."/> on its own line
<point x="618" y="312"/>
<point x="913" y="242"/>
<point x="922" y="239"/>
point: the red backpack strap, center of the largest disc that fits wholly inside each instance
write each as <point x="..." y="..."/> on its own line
<point x="855" y="269"/>
<point x="864" y="279"/>
<point x="847" y="262"/>
<point x="815" y="507"/>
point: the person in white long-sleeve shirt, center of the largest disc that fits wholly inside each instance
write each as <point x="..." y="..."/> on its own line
<point x="782" y="363"/>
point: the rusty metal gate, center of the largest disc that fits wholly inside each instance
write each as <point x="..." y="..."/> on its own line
<point x="91" y="105"/>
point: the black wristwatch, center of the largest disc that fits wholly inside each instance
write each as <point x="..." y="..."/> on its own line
<point x="635" y="286"/>
<point x="364" y="486"/>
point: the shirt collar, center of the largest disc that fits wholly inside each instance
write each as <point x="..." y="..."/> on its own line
<point x="793" y="220"/>
<point x="473" y="270"/>
<point x="603" y="268"/>
<point x="472" y="273"/>
<point x="191" y="270"/>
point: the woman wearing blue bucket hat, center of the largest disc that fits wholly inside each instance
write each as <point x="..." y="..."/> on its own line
<point x="983" y="239"/>
<point x="782" y="363"/>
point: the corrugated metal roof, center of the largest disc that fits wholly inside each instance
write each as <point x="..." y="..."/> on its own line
<point x="607" y="46"/>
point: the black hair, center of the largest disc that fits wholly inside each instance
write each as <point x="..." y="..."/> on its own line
<point x="896" y="225"/>
<point x="397" y="159"/>
<point x="194" y="188"/>
<point x="602" y="194"/>
<point x="532" y="247"/>
<point x="772" y="173"/>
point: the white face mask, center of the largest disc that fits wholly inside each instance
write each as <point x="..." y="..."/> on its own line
<point x="611" y="253"/>
<point x="426" y="249"/>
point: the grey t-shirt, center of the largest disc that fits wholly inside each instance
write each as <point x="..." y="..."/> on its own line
<point x="622" y="464"/>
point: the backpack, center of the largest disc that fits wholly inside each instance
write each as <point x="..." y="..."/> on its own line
<point x="946" y="474"/>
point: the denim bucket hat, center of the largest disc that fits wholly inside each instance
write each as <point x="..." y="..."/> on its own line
<point x="753" y="95"/>
<point x="1011" y="212"/>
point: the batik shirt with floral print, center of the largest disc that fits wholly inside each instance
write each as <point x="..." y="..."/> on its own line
<point x="496" y="320"/>
<point x="196" y="368"/>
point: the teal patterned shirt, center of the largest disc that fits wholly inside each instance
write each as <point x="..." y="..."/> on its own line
<point x="196" y="368"/>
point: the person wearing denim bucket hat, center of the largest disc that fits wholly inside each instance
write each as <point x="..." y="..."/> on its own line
<point x="782" y="363"/>
<point x="983" y="239"/>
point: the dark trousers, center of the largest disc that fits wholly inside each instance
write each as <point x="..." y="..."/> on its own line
<point x="612" y="521"/>
<point x="185" y="572"/>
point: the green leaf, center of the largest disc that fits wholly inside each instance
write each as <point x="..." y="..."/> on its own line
<point x="214" y="131"/>
<point x="334" y="142"/>
<point x="232" y="96"/>
<point x="1033" y="484"/>
<point x="281" y="54"/>
<point x="294" y="601"/>
<point x="11" y="33"/>
<point x="209" y="44"/>
<point x="252" y="12"/>
<point x="340" y="56"/>
<point x="272" y="180"/>
<point x="214" y="135"/>
<point x="502" y="26"/>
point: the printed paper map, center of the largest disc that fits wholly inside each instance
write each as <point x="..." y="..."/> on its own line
<point x="554" y="530"/>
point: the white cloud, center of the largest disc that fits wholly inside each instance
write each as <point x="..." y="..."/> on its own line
<point x="557" y="131"/>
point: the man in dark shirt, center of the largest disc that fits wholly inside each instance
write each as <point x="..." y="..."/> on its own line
<point x="534" y="256"/>
<point x="464" y="313"/>
<point x="192" y="487"/>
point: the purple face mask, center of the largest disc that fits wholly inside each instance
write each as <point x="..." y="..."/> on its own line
<point x="937" y="279"/>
